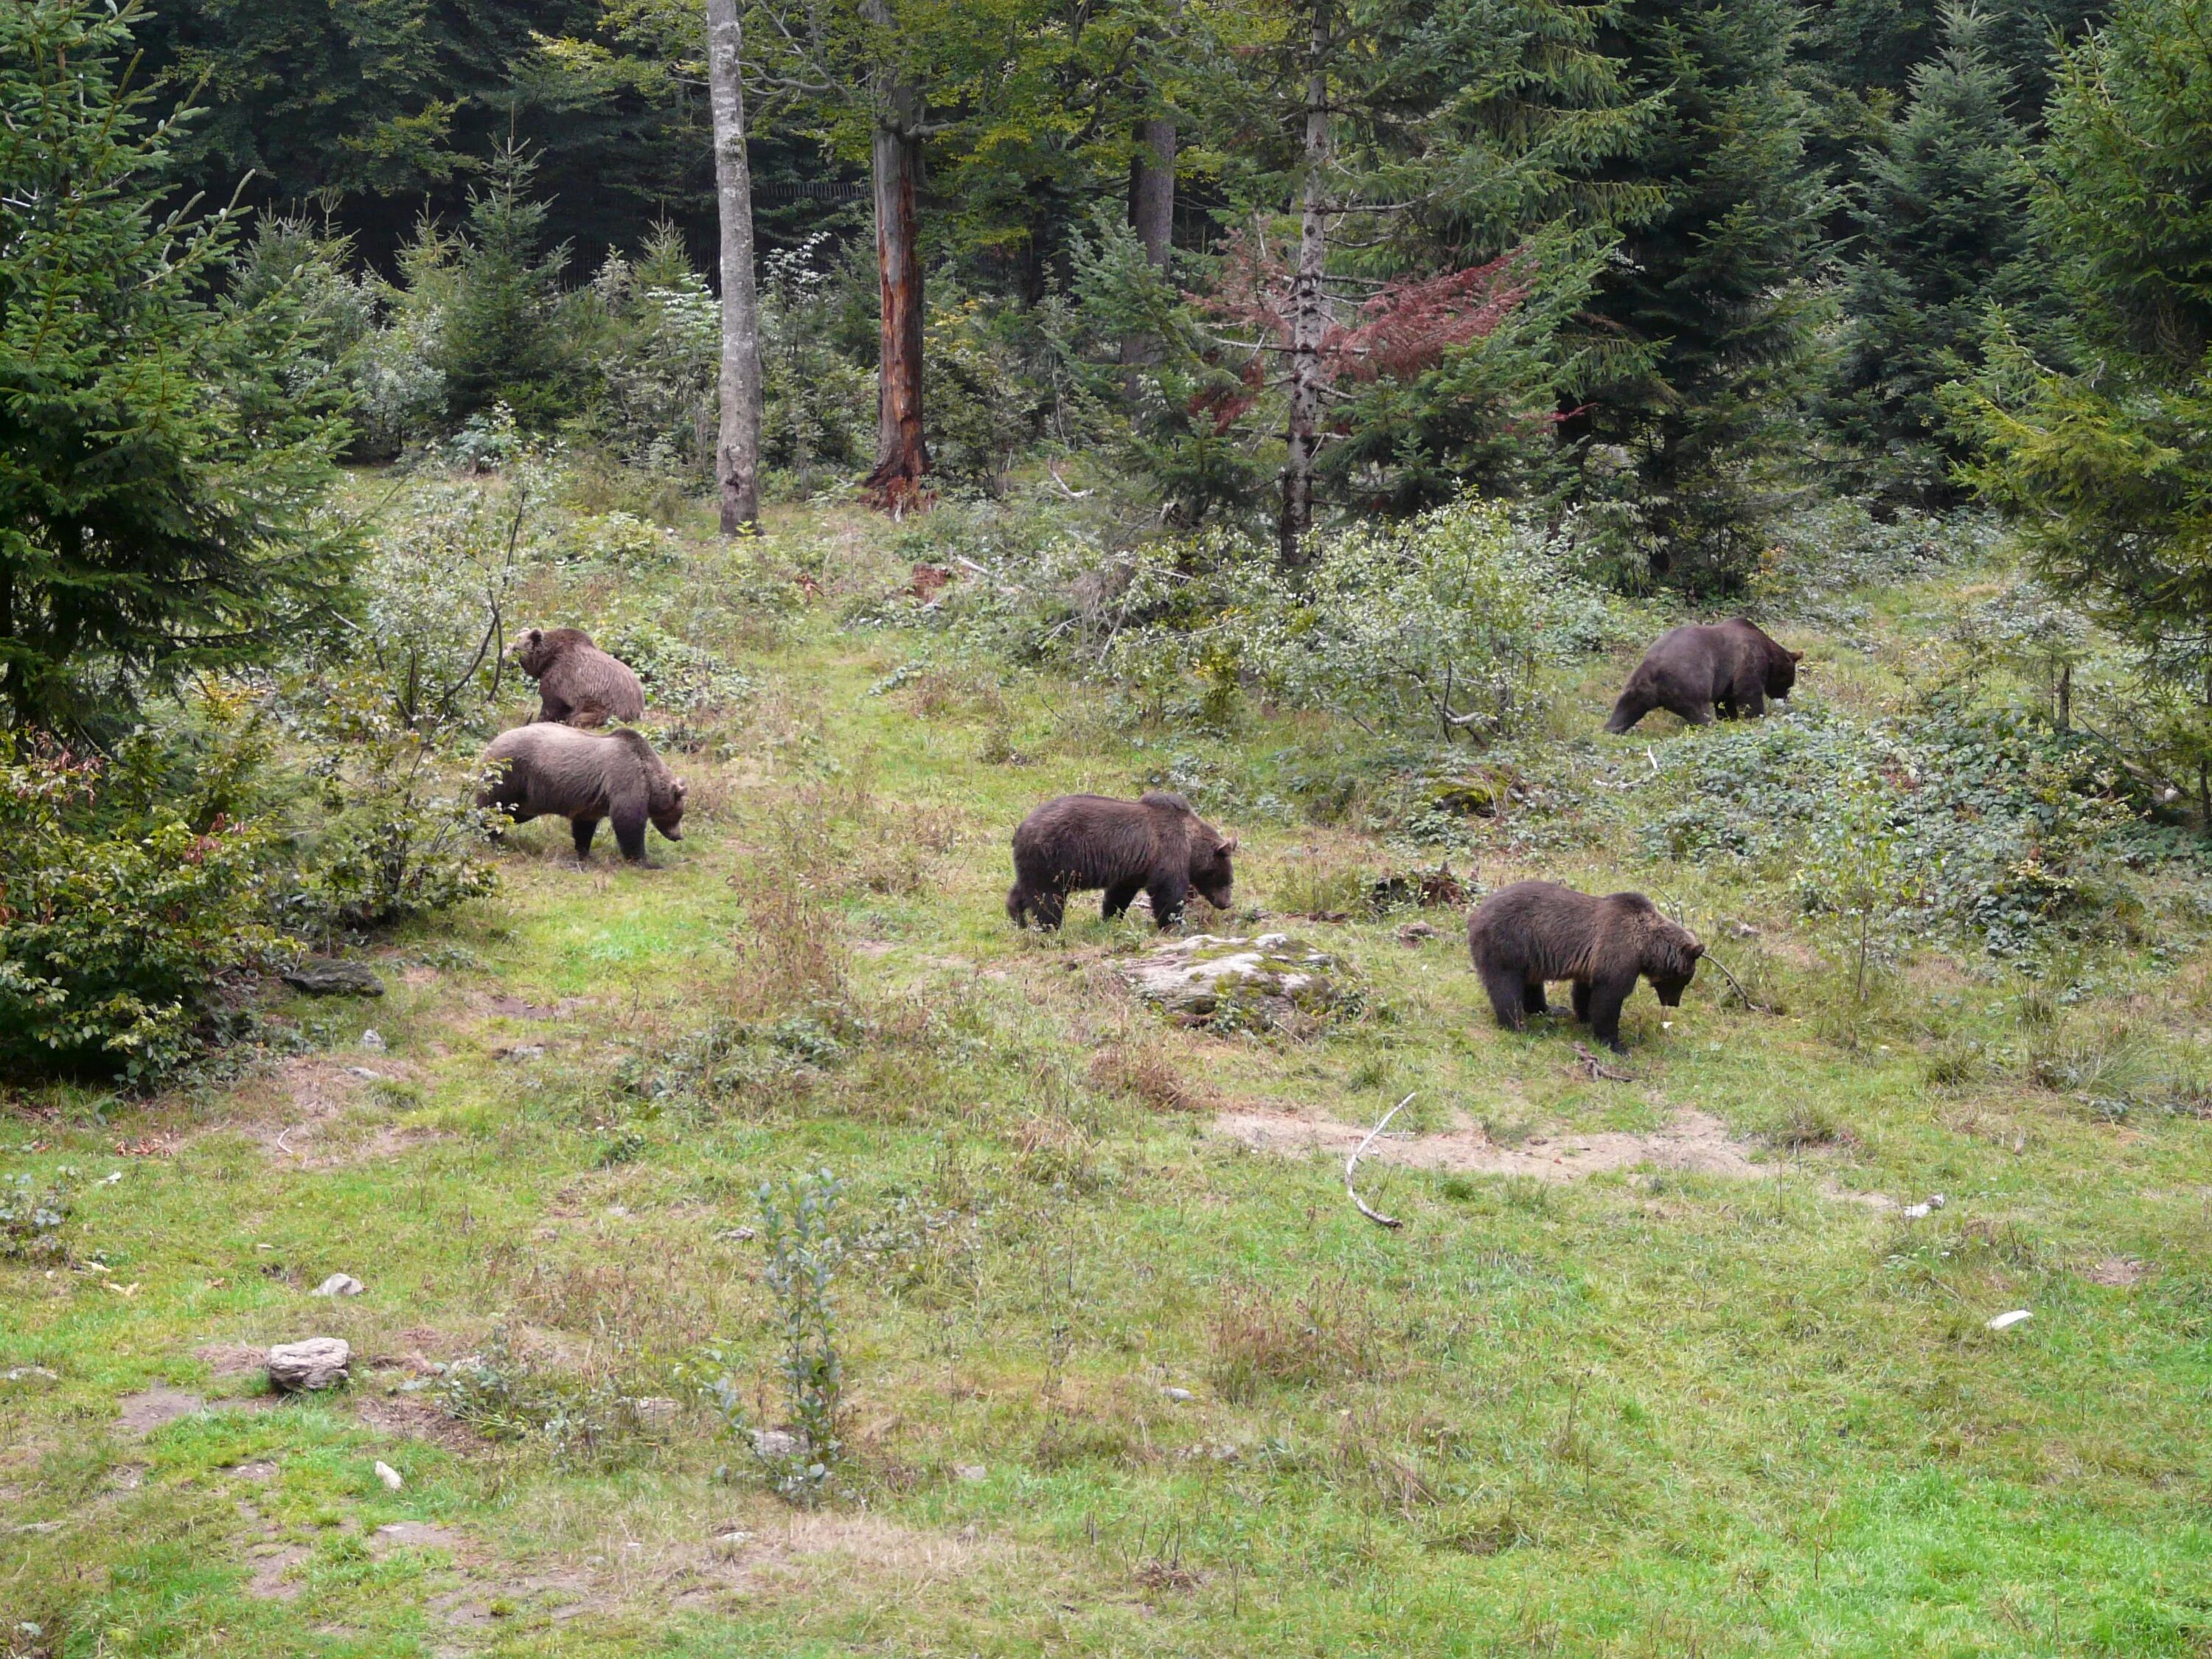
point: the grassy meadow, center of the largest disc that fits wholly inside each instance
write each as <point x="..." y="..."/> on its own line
<point x="1124" y="1371"/>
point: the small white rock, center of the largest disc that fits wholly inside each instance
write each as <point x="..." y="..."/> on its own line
<point x="972" y="1472"/>
<point x="2005" y="1322"/>
<point x="1180" y="1396"/>
<point x="1918" y="1211"/>
<point x="373" y="1040"/>
<point x="390" y="1476"/>
<point x="338" y="1285"/>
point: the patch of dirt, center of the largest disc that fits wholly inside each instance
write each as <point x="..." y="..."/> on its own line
<point x="289" y="1107"/>
<point x="259" y="1470"/>
<point x="272" y="1566"/>
<point x="232" y="1359"/>
<point x="514" y="1007"/>
<point x="413" y="1535"/>
<point x="2117" y="1270"/>
<point x="1695" y="1142"/>
<point x="387" y="1141"/>
<point x="142" y="1412"/>
<point x="814" y="1550"/>
<point x="413" y="1419"/>
<point x="872" y="947"/>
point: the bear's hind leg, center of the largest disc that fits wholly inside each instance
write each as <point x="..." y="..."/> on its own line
<point x="1508" y="992"/>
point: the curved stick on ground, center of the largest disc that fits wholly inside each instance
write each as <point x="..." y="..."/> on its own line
<point x="1594" y="1068"/>
<point x="1736" y="986"/>
<point x="1353" y="1163"/>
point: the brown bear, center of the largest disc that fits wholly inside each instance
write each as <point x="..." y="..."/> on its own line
<point x="583" y="776"/>
<point x="578" y="683"/>
<point x="1155" y="845"/>
<point x="1695" y="670"/>
<point x="1534" y="930"/>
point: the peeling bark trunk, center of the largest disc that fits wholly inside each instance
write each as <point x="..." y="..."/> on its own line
<point x="1152" y="215"/>
<point x="1309" y="307"/>
<point x="902" y="447"/>
<point x="737" y="449"/>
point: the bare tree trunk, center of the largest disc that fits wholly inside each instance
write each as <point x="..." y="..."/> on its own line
<point x="737" y="449"/>
<point x="902" y="447"/>
<point x="1309" y="306"/>
<point x="1151" y="213"/>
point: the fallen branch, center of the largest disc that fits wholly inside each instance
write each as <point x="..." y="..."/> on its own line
<point x="1736" y="986"/>
<point x="1595" y="1068"/>
<point x="1353" y="1163"/>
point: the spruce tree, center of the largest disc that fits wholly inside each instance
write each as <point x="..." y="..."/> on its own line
<point x="1710" y="281"/>
<point x="501" y="340"/>
<point x="1943" y="234"/>
<point x="162" y="451"/>
<point x="2107" y="472"/>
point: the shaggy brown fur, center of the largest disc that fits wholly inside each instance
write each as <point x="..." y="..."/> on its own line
<point x="1534" y="931"/>
<point x="1730" y="667"/>
<point x="1157" y="845"/>
<point x="578" y="683"/>
<point x="546" y="770"/>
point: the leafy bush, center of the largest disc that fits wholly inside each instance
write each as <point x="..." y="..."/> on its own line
<point x="679" y="677"/>
<point x="657" y="366"/>
<point x="32" y="1215"/>
<point x="1435" y="627"/>
<point x="503" y="1396"/>
<point x="119" y="929"/>
<point x="817" y="406"/>
<point x="2007" y="828"/>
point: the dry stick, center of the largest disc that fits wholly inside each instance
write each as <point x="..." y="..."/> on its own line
<point x="1597" y="1068"/>
<point x="1755" y="1007"/>
<point x="1353" y="1163"/>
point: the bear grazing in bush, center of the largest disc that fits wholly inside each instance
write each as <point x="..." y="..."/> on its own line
<point x="578" y="683"/>
<point x="1730" y="667"/>
<point x="584" y="776"/>
<point x="1534" y="930"/>
<point x="1157" y="845"/>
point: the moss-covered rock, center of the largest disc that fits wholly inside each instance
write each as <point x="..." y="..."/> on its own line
<point x="1272" y="981"/>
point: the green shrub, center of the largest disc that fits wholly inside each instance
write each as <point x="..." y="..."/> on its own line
<point x="119" y="930"/>
<point x="32" y="1215"/>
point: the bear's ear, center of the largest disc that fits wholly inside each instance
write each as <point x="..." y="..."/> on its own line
<point x="1229" y="846"/>
<point x="1796" y="656"/>
<point x="1697" y="950"/>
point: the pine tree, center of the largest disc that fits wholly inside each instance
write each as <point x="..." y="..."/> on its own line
<point x="1943" y="217"/>
<point x="161" y="451"/>
<point x="501" y="340"/>
<point x="2107" y="472"/>
<point x="1711" y="282"/>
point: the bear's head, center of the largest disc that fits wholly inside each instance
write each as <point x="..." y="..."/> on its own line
<point x="537" y="649"/>
<point x="1780" y="670"/>
<point x="1670" y="959"/>
<point x="664" y="803"/>
<point x="1211" y="873"/>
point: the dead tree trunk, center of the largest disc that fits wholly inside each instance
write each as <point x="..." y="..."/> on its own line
<point x="1151" y="213"/>
<point x="737" y="448"/>
<point x="1309" y="306"/>
<point x="902" y="447"/>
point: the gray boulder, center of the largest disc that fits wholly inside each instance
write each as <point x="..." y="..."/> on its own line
<point x="1271" y="981"/>
<point x="327" y="977"/>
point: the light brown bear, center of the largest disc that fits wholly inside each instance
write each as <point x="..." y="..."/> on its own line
<point x="578" y="683"/>
<point x="547" y="770"/>
<point x="1157" y="845"/>
<point x="1534" y="931"/>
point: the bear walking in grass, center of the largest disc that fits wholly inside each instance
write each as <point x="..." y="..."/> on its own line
<point x="1157" y="845"/>
<point x="578" y="683"/>
<point x="1730" y="668"/>
<point x="1534" y="931"/>
<point x="559" y="771"/>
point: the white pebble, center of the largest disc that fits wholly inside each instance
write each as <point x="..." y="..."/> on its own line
<point x="390" y="1476"/>
<point x="2005" y="1322"/>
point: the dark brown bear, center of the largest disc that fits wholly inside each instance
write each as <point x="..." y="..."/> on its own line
<point x="1156" y="845"/>
<point x="1695" y="670"/>
<point x="548" y="770"/>
<point x="1535" y="931"/>
<point x="578" y="683"/>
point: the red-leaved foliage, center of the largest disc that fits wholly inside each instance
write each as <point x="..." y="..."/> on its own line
<point x="1403" y="331"/>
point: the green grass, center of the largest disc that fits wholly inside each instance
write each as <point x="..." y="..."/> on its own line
<point x="1647" y="1413"/>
